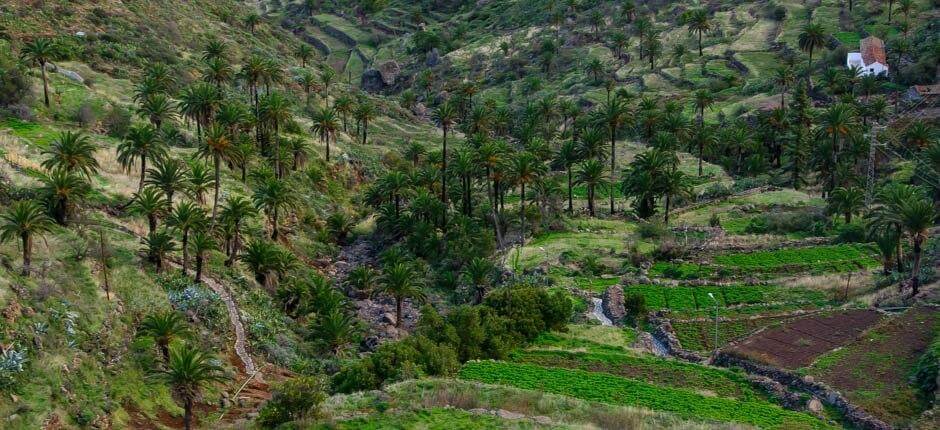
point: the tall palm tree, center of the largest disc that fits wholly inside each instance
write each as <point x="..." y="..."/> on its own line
<point x="837" y="123"/>
<point x="445" y="116"/>
<point x="699" y="22"/>
<point x="811" y="37"/>
<point x="673" y="182"/>
<point x="916" y="217"/>
<point x="401" y="281"/>
<point x="186" y="217"/>
<point x="152" y="204"/>
<point x="566" y="157"/>
<point x="613" y="114"/>
<point x="199" y="180"/>
<point x="325" y="126"/>
<point x="142" y="142"/>
<point x="784" y="78"/>
<point x="164" y="328"/>
<point x="188" y="372"/>
<point x="169" y="175"/>
<point x="327" y="75"/>
<point x="395" y="183"/>
<point x="591" y="174"/>
<point x="303" y="53"/>
<point x="24" y="220"/>
<point x="74" y="152"/>
<point x="62" y="189"/>
<point x="217" y="146"/>
<point x="251" y="21"/>
<point x="275" y="111"/>
<point x="702" y="99"/>
<point x="364" y="113"/>
<point x="202" y="242"/>
<point x="218" y="72"/>
<point x="40" y="52"/>
<point x="235" y="210"/>
<point x="344" y="105"/>
<point x="890" y="198"/>
<point x="198" y="102"/>
<point x="272" y="196"/>
<point x="526" y="168"/>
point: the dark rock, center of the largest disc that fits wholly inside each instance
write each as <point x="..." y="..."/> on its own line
<point x="389" y="71"/>
<point x="372" y="81"/>
<point x="433" y="59"/>
<point x="613" y="304"/>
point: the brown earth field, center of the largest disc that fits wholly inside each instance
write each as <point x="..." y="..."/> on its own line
<point x="797" y="343"/>
<point x="873" y="372"/>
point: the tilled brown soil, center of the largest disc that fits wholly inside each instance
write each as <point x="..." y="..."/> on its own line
<point x="798" y="342"/>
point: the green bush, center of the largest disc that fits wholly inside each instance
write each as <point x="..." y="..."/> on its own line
<point x="292" y="400"/>
<point x="926" y="371"/>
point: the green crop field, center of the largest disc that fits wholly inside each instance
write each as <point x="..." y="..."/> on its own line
<point x="607" y="388"/>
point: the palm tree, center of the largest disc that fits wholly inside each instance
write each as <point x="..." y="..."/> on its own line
<point x="811" y="37"/>
<point x="142" y="142"/>
<point x="158" y="244"/>
<point x="24" y="220"/>
<point x="887" y="240"/>
<point x="74" y="152"/>
<point x="272" y="196"/>
<point x="401" y="281"/>
<point x="235" y="210"/>
<point x="327" y="75"/>
<point x="198" y="102"/>
<point x="163" y="328"/>
<point x="325" y="126"/>
<point x="596" y="68"/>
<point x="344" y="105"/>
<point x="478" y="273"/>
<point x="699" y="22"/>
<point x="275" y="111"/>
<point x="395" y="183"/>
<point x="837" y="123"/>
<point x="846" y="201"/>
<point x="919" y="134"/>
<point x="566" y="157"/>
<point x="217" y="72"/>
<point x="334" y="330"/>
<point x="673" y="182"/>
<point x="445" y="115"/>
<point x="784" y="78"/>
<point x="201" y="242"/>
<point x="414" y="152"/>
<point x="158" y="109"/>
<point x="217" y="145"/>
<point x="613" y="113"/>
<point x="199" y="181"/>
<point x="364" y="113"/>
<point x="702" y="99"/>
<point x="916" y="217"/>
<point x="526" y="168"/>
<point x="303" y="53"/>
<point x="150" y="203"/>
<point x="40" y="52"/>
<point x="266" y="260"/>
<point x="188" y="371"/>
<point x="169" y="175"/>
<point x="186" y="217"/>
<point x="591" y="174"/>
<point x="215" y="49"/>
<point x="61" y="189"/>
<point x="890" y="198"/>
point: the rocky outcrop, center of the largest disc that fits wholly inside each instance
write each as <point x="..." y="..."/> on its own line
<point x="855" y="415"/>
<point x="389" y="71"/>
<point x="71" y="75"/>
<point x="613" y="304"/>
<point x="664" y="333"/>
<point x="372" y="81"/>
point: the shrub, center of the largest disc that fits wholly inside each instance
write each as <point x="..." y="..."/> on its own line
<point x="15" y="85"/>
<point x="714" y="220"/>
<point x="925" y="373"/>
<point x="851" y="233"/>
<point x="651" y="230"/>
<point x="635" y="305"/>
<point x="117" y="121"/>
<point x="668" y="250"/>
<point x="294" y="399"/>
<point x="12" y="364"/>
<point x="85" y="115"/>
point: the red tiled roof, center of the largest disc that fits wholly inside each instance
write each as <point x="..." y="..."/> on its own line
<point x="873" y="50"/>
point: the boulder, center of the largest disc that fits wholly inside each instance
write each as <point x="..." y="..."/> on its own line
<point x="509" y="415"/>
<point x="389" y="318"/>
<point x="613" y="304"/>
<point x="814" y="405"/>
<point x="71" y="75"/>
<point x="372" y="81"/>
<point x="389" y="70"/>
<point x="433" y="59"/>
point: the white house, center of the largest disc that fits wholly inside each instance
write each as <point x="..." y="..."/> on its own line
<point x="872" y="59"/>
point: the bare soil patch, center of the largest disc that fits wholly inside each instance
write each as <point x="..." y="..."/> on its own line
<point x="798" y="342"/>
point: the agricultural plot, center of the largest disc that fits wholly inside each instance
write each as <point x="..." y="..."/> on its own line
<point x="873" y="371"/>
<point x="816" y="259"/>
<point x="798" y="342"/>
<point x="699" y="334"/>
<point x="583" y="337"/>
<point x="687" y="300"/>
<point x="434" y="418"/>
<point x="607" y="388"/>
<point x="671" y="373"/>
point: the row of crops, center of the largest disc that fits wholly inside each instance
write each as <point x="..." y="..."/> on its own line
<point x="672" y="373"/>
<point x="812" y="259"/>
<point x="611" y="389"/>
<point x="696" y="298"/>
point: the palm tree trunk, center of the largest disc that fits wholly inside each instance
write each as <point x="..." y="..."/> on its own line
<point x="185" y="250"/>
<point x="152" y="221"/>
<point x="444" y="179"/>
<point x="915" y="270"/>
<point x="570" y="205"/>
<point x="613" y="155"/>
<point x="899" y="262"/>
<point x="274" y="232"/>
<point x="215" y="198"/>
<point x="143" y="174"/>
<point x="666" y="214"/>
<point x="199" y="262"/>
<point x="27" y="252"/>
<point x="398" y="303"/>
<point x="701" y="153"/>
<point x="700" y="43"/>
<point x="591" y="200"/>
<point x="188" y="413"/>
<point x="45" y="83"/>
<point x="522" y="212"/>
<point x="365" y="131"/>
